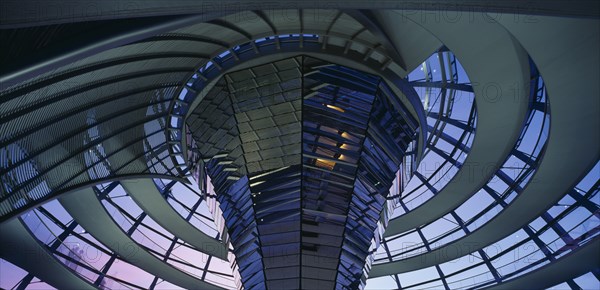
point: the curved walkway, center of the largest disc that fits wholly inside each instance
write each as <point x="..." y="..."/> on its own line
<point x="21" y="248"/>
<point x="146" y="195"/>
<point x="496" y="65"/>
<point x="572" y="265"/>
<point x="573" y="96"/>
<point x="87" y="210"/>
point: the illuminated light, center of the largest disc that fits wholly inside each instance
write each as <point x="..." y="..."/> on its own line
<point x="335" y="108"/>
<point x="327" y="164"/>
<point x="221" y="155"/>
<point x="270" y="172"/>
<point x="256" y="183"/>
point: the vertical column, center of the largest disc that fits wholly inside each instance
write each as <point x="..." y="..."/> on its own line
<point x="337" y="104"/>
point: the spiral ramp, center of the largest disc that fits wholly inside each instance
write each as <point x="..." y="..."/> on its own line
<point x="101" y="182"/>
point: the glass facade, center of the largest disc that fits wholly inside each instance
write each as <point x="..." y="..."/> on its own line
<point x="303" y="148"/>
